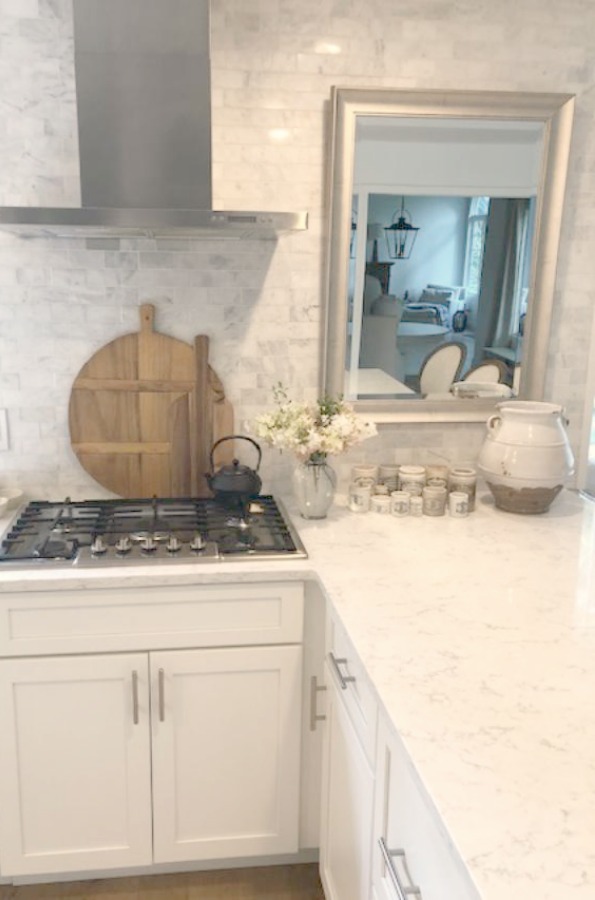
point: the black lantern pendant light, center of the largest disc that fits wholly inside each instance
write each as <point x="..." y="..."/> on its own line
<point x="401" y="234"/>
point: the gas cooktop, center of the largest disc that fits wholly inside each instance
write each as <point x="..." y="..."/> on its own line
<point x="119" y="532"/>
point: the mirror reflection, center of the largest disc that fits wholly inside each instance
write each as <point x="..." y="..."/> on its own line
<point x="466" y="281"/>
<point x="439" y="283"/>
<point x="445" y="221"/>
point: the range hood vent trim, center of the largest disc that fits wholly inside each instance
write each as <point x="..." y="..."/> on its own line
<point x="137" y="171"/>
<point x="90" y="222"/>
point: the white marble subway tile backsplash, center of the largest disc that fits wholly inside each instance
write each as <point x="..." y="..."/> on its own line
<point x="273" y="64"/>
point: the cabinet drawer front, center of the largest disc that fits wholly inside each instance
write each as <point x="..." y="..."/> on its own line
<point x="421" y="852"/>
<point x="356" y="690"/>
<point x="150" y="618"/>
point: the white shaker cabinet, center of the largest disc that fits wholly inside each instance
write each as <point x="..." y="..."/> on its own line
<point x="75" y="763"/>
<point x="348" y="779"/>
<point x="381" y="836"/>
<point x="347" y="809"/>
<point x="226" y="736"/>
<point x="119" y="759"/>
<point x="412" y="855"/>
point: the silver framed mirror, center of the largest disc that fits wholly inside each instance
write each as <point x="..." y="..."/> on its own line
<point x="444" y="168"/>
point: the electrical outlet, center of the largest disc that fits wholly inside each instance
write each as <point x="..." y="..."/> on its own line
<point x="3" y="430"/>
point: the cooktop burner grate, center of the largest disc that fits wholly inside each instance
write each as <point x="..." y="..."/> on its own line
<point x="94" y="532"/>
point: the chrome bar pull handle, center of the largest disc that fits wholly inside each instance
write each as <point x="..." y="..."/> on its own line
<point x="343" y="679"/>
<point x="403" y="891"/>
<point x="314" y="689"/>
<point x="161" y="695"/>
<point x="135" y="697"/>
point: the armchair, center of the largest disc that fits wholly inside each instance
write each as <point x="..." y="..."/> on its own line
<point x="380" y="321"/>
<point x="442" y="367"/>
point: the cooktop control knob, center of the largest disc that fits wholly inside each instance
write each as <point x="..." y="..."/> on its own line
<point x="98" y="547"/>
<point x="123" y="545"/>
<point x="148" y="545"/>
<point x="197" y="543"/>
<point x="173" y="544"/>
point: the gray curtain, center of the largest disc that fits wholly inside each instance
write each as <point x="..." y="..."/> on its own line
<point x="502" y="276"/>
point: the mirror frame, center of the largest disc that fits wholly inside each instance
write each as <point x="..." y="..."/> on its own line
<point x="555" y="111"/>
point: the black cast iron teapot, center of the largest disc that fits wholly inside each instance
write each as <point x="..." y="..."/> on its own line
<point x="234" y="482"/>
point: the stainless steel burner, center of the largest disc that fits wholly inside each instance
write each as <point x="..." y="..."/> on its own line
<point x="142" y="532"/>
<point x="236" y="522"/>
<point x="139" y="536"/>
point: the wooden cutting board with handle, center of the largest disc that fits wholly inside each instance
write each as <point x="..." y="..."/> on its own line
<point x="145" y="411"/>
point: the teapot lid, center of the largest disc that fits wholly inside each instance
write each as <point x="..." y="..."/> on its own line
<point x="235" y="468"/>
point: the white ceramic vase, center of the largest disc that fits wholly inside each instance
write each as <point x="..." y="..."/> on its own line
<point x="526" y="456"/>
<point x="314" y="484"/>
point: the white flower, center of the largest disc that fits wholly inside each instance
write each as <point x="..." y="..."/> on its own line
<point x="312" y="431"/>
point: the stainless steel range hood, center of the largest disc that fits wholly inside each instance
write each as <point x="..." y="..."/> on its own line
<point x="142" y="71"/>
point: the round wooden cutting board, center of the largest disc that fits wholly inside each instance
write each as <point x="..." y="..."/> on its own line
<point x="145" y="411"/>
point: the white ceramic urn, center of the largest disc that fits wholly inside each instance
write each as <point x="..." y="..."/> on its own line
<point x="526" y="456"/>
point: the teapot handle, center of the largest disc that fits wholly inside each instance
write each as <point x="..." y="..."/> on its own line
<point x="235" y="437"/>
<point x="494" y="423"/>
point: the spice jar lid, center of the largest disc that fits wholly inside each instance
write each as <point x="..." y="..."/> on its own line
<point x="412" y="470"/>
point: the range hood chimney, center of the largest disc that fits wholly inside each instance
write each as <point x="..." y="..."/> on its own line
<point x="142" y="72"/>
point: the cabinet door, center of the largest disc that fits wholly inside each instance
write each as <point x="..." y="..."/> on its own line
<point x="347" y="797"/>
<point x="226" y="738"/>
<point x="416" y="851"/>
<point x="74" y="764"/>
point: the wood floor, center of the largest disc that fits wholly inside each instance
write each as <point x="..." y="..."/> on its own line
<point x="270" y="883"/>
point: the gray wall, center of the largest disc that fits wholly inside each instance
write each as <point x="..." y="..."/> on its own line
<point x="439" y="251"/>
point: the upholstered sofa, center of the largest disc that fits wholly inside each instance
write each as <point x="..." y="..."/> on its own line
<point x="435" y="306"/>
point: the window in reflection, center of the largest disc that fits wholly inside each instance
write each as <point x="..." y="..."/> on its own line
<point x="477" y="220"/>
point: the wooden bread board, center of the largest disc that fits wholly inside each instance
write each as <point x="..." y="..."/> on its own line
<point x="145" y="411"/>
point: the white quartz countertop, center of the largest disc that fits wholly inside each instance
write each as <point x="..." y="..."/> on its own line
<point x="479" y="637"/>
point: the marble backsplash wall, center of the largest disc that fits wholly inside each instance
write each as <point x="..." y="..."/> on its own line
<point x="274" y="62"/>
